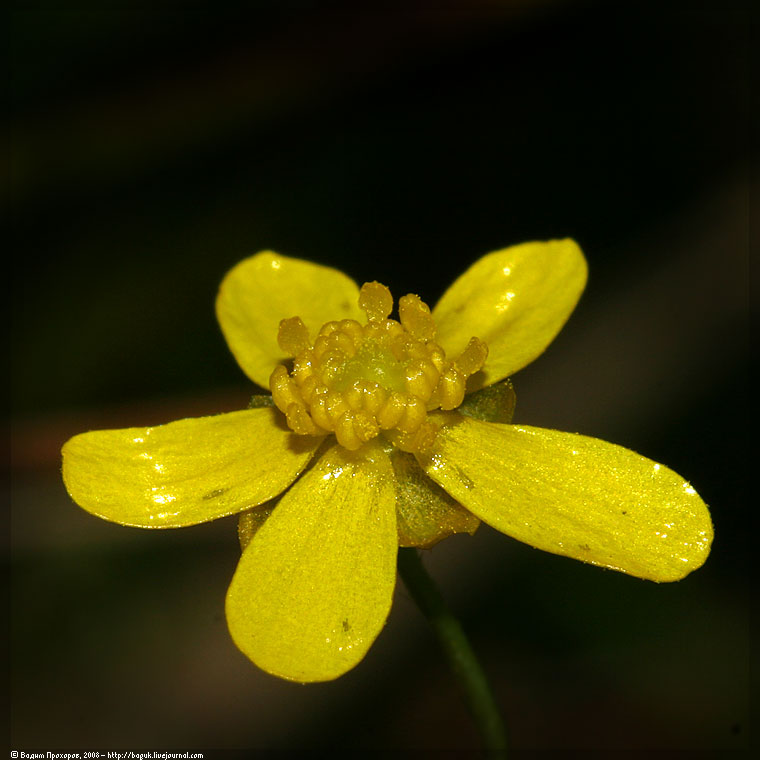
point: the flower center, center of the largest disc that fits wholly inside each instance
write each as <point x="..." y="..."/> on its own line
<point x="359" y="380"/>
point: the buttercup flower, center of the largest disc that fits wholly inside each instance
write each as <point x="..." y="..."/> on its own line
<point x="369" y="442"/>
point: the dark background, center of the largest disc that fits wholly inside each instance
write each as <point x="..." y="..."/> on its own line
<point x="150" y="151"/>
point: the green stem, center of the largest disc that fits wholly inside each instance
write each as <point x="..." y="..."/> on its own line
<point x="462" y="660"/>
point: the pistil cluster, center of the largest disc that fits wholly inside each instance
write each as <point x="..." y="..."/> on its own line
<point x="358" y="381"/>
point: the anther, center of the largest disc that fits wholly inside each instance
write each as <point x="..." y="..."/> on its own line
<point x="310" y="387"/>
<point x="414" y="415"/>
<point x="284" y="390"/>
<point x="401" y="346"/>
<point x="436" y="355"/>
<point x="319" y="413"/>
<point x="328" y="328"/>
<point x="418" y="381"/>
<point x="355" y="395"/>
<point x="420" y="440"/>
<point x="365" y="426"/>
<point x="300" y="422"/>
<point x="451" y="387"/>
<point x="345" y="433"/>
<point x="303" y="366"/>
<point x="376" y="301"/>
<point x="353" y="329"/>
<point x="331" y="364"/>
<point x="472" y="358"/>
<point x="415" y="316"/>
<point x="335" y="405"/>
<point x="342" y="342"/>
<point x="374" y="398"/>
<point x="391" y="411"/>
<point x="293" y="336"/>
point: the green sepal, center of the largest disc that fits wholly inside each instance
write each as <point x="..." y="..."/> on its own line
<point x="258" y="402"/>
<point x="251" y="520"/>
<point x="425" y="513"/>
<point x="494" y="403"/>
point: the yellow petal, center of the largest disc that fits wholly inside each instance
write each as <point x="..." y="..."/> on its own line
<point x="186" y="472"/>
<point x="516" y="300"/>
<point x="314" y="586"/>
<point x="265" y="288"/>
<point x="576" y="496"/>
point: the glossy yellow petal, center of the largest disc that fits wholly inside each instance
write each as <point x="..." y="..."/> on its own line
<point x="266" y="288"/>
<point x="314" y="586"/>
<point x="516" y="300"/>
<point x="576" y="496"/>
<point x="186" y="472"/>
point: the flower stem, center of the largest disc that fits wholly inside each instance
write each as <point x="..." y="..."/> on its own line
<point x="462" y="660"/>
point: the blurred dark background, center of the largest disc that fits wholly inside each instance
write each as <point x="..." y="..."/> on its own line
<point x="150" y="151"/>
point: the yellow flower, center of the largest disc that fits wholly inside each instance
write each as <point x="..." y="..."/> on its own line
<point x="370" y="445"/>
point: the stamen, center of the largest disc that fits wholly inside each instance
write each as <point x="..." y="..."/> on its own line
<point x="376" y="301"/>
<point x="299" y="420"/>
<point x="360" y="381"/>
<point x="392" y="411"/>
<point x="472" y="358"/>
<point x="293" y="336"/>
<point x="418" y="381"/>
<point x="345" y="433"/>
<point x="353" y="329"/>
<point x="416" y="317"/>
<point x="284" y="389"/>
<point x="420" y="440"/>
<point x="414" y="415"/>
<point x="450" y="388"/>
